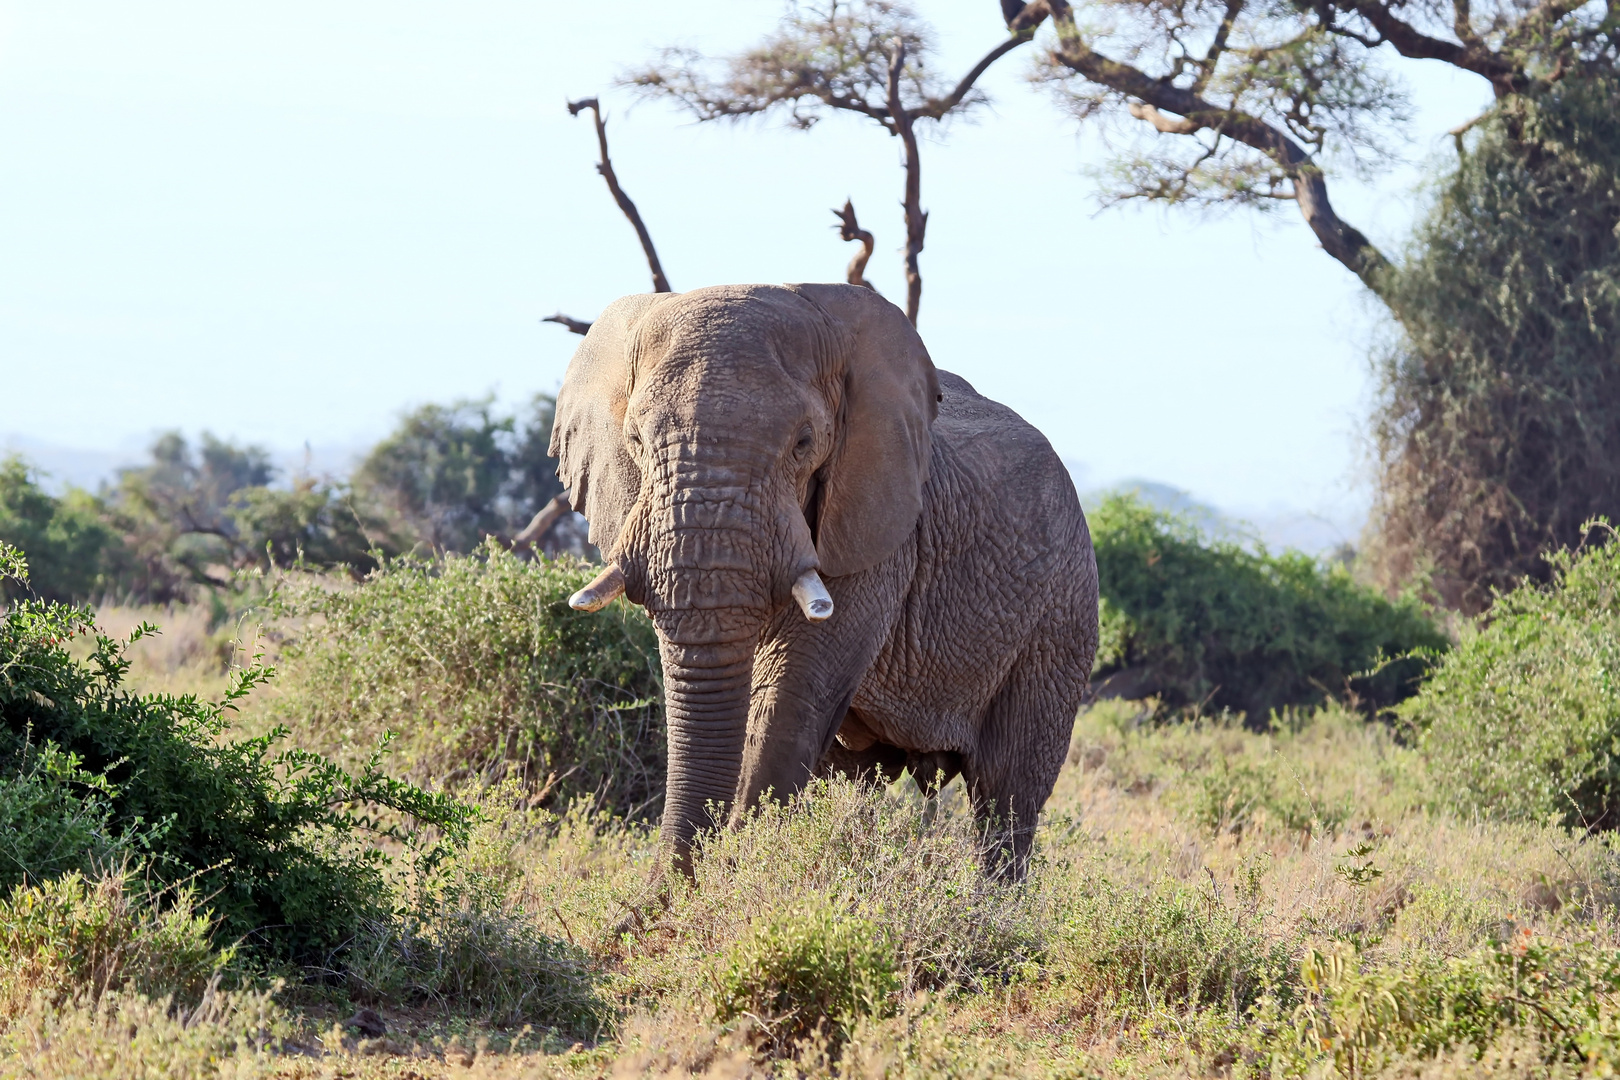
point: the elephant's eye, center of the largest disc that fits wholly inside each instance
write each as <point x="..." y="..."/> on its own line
<point x="802" y="447"/>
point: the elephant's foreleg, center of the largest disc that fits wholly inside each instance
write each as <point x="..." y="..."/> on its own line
<point x="805" y="675"/>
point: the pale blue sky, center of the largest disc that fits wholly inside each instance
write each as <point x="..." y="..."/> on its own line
<point x="289" y="221"/>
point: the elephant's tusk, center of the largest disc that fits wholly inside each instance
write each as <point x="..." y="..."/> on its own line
<point x="608" y="586"/>
<point x="812" y="597"/>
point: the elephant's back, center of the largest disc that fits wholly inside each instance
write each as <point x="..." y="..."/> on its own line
<point x="1003" y="471"/>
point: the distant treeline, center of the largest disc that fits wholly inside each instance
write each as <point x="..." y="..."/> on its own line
<point x="195" y="514"/>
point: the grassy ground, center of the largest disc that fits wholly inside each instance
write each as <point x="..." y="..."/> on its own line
<point x="1205" y="901"/>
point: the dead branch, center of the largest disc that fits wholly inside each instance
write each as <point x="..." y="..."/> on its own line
<point x="541" y="523"/>
<point x="575" y="326"/>
<point x="936" y="109"/>
<point x="605" y="167"/>
<point x="916" y="218"/>
<point x="850" y="229"/>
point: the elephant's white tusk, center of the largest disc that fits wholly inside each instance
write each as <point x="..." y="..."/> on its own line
<point x="812" y="597"/>
<point x="608" y="586"/>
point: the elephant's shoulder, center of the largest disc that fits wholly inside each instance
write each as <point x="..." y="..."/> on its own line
<point x="990" y="446"/>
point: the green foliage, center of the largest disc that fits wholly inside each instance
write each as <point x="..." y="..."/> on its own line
<point x="1230" y="795"/>
<point x="174" y="514"/>
<point x="56" y="818"/>
<point x="125" y="1036"/>
<point x="1171" y="944"/>
<point x="1498" y="431"/>
<point x="313" y="523"/>
<point x="462" y="938"/>
<point x="1198" y="619"/>
<point x="269" y="837"/>
<point x="814" y="971"/>
<point x="483" y="668"/>
<point x="1359" y="1016"/>
<point x="71" y="550"/>
<point x="71" y="936"/>
<point x="451" y="475"/>
<point x="1522" y="721"/>
<point x="195" y="515"/>
<point x="797" y="884"/>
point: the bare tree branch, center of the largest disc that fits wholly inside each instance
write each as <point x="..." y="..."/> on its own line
<point x="868" y="57"/>
<point x="1165" y="125"/>
<point x="1218" y="45"/>
<point x="542" y="522"/>
<point x="916" y="218"/>
<point x="936" y="108"/>
<point x="605" y="167"/>
<point x="575" y="326"/>
<point x="850" y="229"/>
<point x="1504" y="75"/>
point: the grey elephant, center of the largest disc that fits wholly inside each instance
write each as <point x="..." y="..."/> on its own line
<point x="854" y="562"/>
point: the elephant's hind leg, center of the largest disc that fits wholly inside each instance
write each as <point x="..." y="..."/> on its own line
<point x="1011" y="771"/>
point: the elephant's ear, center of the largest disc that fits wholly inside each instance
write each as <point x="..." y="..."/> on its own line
<point x="872" y="484"/>
<point x="587" y="435"/>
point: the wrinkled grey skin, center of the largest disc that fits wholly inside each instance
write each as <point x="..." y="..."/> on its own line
<point x="723" y="441"/>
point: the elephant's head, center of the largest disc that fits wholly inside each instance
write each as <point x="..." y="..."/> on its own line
<point x="726" y="444"/>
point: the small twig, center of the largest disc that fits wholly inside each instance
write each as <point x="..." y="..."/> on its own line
<point x="555" y="910"/>
<point x="575" y="326"/>
<point x="605" y="167"/>
<point x="1464" y="128"/>
<point x="850" y="229"/>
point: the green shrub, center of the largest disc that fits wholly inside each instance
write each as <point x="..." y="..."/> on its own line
<point x="1497" y="429"/>
<point x="1230" y="795"/>
<point x="1197" y="619"/>
<point x="71" y="548"/>
<point x="270" y="838"/>
<point x="465" y="934"/>
<point x="483" y="668"/>
<point x="128" y="1036"/>
<point x="798" y="881"/>
<point x="75" y="937"/>
<point x="1559" y="994"/>
<point x="56" y="817"/>
<point x="1167" y="944"/>
<point x="814" y="971"/>
<point x="1522" y="721"/>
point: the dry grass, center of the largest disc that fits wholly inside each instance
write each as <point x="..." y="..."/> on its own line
<point x="192" y="652"/>
<point x="1182" y="872"/>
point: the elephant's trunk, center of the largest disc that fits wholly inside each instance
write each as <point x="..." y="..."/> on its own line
<point x="706" y="692"/>
<point x="715" y="566"/>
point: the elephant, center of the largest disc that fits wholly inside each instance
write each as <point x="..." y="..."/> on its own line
<point x="854" y="562"/>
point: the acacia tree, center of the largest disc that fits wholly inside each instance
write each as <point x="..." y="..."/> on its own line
<point x="1256" y="101"/>
<point x="871" y="58"/>
<point x="1496" y="428"/>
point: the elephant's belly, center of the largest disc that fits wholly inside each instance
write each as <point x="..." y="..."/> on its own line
<point x="931" y="694"/>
